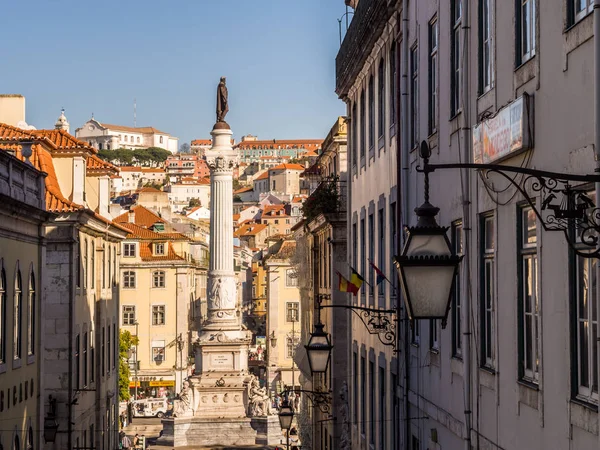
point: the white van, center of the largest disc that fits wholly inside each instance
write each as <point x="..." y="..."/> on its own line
<point x="150" y="407"/>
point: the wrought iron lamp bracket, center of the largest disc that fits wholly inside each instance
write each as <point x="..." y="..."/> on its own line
<point x="563" y="204"/>
<point x="381" y="322"/>
<point x="319" y="399"/>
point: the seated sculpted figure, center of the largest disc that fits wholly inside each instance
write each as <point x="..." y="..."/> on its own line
<point x="182" y="406"/>
<point x="259" y="401"/>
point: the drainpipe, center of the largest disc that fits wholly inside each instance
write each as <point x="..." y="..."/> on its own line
<point x="597" y="115"/>
<point x="466" y="204"/>
<point x="403" y="178"/>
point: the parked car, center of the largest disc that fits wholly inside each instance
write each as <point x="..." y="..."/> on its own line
<point x="150" y="407"/>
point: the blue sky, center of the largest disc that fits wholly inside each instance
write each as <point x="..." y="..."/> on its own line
<point x="278" y="57"/>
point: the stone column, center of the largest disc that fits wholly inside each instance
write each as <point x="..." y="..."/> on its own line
<point x="223" y="313"/>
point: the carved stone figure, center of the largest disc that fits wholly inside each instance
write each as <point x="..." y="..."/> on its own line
<point x="259" y="403"/>
<point x="215" y="293"/>
<point x="222" y="106"/>
<point x="182" y="406"/>
<point x="345" y="439"/>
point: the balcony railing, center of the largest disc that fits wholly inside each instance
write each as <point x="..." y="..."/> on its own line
<point x="367" y="24"/>
<point x="329" y="197"/>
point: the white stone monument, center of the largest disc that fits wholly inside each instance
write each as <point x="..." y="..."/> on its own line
<point x="222" y="404"/>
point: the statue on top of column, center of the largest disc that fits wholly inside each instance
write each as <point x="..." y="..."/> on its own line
<point x="222" y="105"/>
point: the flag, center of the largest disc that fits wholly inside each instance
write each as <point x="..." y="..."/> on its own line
<point x="356" y="278"/>
<point x="347" y="286"/>
<point x="380" y="275"/>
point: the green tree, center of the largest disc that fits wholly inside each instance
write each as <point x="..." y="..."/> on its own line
<point x="194" y="202"/>
<point x="126" y="342"/>
<point x="185" y="148"/>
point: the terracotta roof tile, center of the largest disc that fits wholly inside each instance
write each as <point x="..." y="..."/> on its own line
<point x="96" y="164"/>
<point x="286" y="166"/>
<point x="202" y="142"/>
<point x="153" y="170"/>
<point x="146" y="253"/>
<point x="244" y="189"/>
<point x="130" y="169"/>
<point x="143" y="217"/>
<point x="263" y="176"/>
<point x="63" y="140"/>
<point x="274" y="212"/>
<point x="148" y="189"/>
<point x="250" y="229"/>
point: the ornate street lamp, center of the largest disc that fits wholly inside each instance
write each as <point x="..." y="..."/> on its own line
<point x="286" y="415"/>
<point x="427" y="266"/>
<point x="318" y="349"/>
<point x="273" y="339"/>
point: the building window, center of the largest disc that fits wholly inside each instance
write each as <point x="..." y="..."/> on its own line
<point x="414" y="95"/>
<point x="434" y="335"/>
<point x="115" y="274"/>
<point x="291" y="278"/>
<point x="488" y="286"/>
<point x="2" y="316"/>
<point x="363" y="130"/>
<point x="578" y="9"/>
<point x="108" y="349"/>
<point x="363" y="395"/>
<point x="372" y="397"/>
<point x="103" y="266"/>
<point x="292" y="309"/>
<point x="85" y="358"/>
<point x="372" y="242"/>
<point x="129" y="279"/>
<point x="415" y="444"/>
<point x="371" y="113"/>
<point x="529" y="304"/>
<point x="31" y="311"/>
<point x="381" y="252"/>
<point x="17" y="317"/>
<point x="393" y="76"/>
<point x="393" y="243"/>
<point x="457" y="247"/>
<point x="455" y="56"/>
<point x="85" y="263"/>
<point x="433" y="73"/>
<point x="93" y="265"/>
<point x="382" y="401"/>
<point x="103" y="354"/>
<point x="415" y="330"/>
<point x="128" y="315"/>
<point x="291" y="344"/>
<point x="381" y="98"/>
<point x="159" y="249"/>
<point x="129" y="250"/>
<point x="158" y="279"/>
<point x="77" y="362"/>
<point x="355" y="385"/>
<point x="363" y="251"/>
<point x="92" y="358"/>
<point x="354" y="245"/>
<point x="158" y="351"/>
<point x="525" y="39"/>
<point x="486" y="73"/>
<point x="161" y="139"/>
<point x="158" y="314"/>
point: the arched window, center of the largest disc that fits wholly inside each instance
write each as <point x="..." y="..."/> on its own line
<point x="138" y="139"/>
<point x="158" y="279"/>
<point x="161" y="139"/>
<point x="2" y="316"/>
<point x="31" y="307"/>
<point x="17" y="322"/>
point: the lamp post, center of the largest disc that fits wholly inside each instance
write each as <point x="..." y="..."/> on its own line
<point x="286" y="416"/>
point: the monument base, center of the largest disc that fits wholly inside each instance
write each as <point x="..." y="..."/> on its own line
<point x="207" y="432"/>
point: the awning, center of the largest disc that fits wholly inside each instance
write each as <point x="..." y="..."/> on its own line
<point x="301" y="360"/>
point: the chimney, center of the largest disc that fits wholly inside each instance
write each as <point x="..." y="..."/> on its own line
<point x="104" y="196"/>
<point x="78" y="180"/>
<point x="131" y="216"/>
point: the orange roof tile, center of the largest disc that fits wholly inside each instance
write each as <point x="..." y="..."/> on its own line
<point x="132" y="129"/>
<point x="244" y="189"/>
<point x="263" y="176"/>
<point x="250" y="229"/>
<point x="96" y="164"/>
<point x="202" y="142"/>
<point x="143" y="217"/>
<point x="153" y="170"/>
<point x="286" y="166"/>
<point x="277" y="142"/>
<point x="130" y="169"/>
<point x="63" y="140"/>
<point x="299" y="198"/>
<point x="146" y="253"/>
<point x="148" y="189"/>
<point x="193" y="180"/>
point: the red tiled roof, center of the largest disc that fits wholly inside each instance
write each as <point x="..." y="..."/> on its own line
<point x="153" y="170"/>
<point x="63" y="140"/>
<point x="299" y="198"/>
<point x="250" y="229"/>
<point x="202" y="142"/>
<point x="193" y="180"/>
<point x="286" y="166"/>
<point x="146" y="253"/>
<point x="277" y="142"/>
<point x="274" y="211"/>
<point x="130" y="169"/>
<point x="96" y="164"/>
<point x="244" y="189"/>
<point x="148" y="189"/>
<point x="263" y="176"/>
<point x="143" y="217"/>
